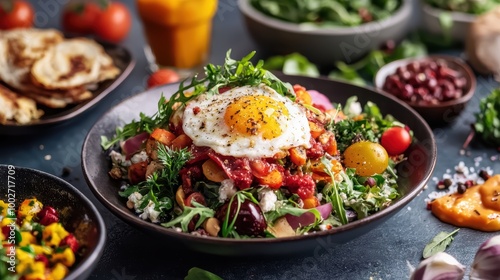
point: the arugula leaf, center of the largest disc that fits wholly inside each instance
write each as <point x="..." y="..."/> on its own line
<point x="188" y="214"/>
<point x="438" y="243"/>
<point x="337" y="203"/>
<point x="284" y="209"/>
<point x="196" y="273"/>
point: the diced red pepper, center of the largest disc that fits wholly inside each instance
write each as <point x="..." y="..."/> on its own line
<point x="70" y="241"/>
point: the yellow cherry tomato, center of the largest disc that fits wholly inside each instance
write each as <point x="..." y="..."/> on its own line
<point x="366" y="157"/>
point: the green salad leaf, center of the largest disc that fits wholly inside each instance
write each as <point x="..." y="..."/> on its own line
<point x="465" y="6"/>
<point x="487" y="123"/>
<point x="323" y="13"/>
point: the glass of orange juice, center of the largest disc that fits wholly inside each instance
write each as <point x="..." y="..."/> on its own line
<point x="178" y="31"/>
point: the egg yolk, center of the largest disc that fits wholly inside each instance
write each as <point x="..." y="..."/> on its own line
<point x="255" y="115"/>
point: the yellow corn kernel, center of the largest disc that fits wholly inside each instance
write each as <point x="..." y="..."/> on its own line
<point x="23" y="256"/>
<point x="6" y="222"/>
<point x="53" y="234"/>
<point x="29" y="208"/>
<point x="42" y="250"/>
<point x="66" y="257"/>
<point x="58" y="272"/>
<point x="27" y="238"/>
<point x="3" y="208"/>
<point x="37" y="271"/>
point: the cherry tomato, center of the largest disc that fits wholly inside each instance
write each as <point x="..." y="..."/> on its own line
<point x="396" y="140"/>
<point x="80" y="17"/>
<point x="367" y="158"/>
<point x="162" y="77"/>
<point x="113" y="23"/>
<point x="15" y="14"/>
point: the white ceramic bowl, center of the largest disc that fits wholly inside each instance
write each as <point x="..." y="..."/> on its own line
<point x="325" y="45"/>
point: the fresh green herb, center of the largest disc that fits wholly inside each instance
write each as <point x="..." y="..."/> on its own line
<point x="188" y="214"/>
<point x="487" y="123"/>
<point x="291" y="209"/>
<point x="369" y="128"/>
<point x="233" y="73"/>
<point x="196" y="273"/>
<point x="161" y="185"/>
<point x="337" y="202"/>
<point x="328" y="13"/>
<point x="438" y="243"/>
<point x="465" y="6"/>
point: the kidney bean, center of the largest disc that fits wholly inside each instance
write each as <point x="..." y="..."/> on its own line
<point x="428" y="82"/>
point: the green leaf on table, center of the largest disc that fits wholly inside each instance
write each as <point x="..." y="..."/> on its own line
<point x="196" y="273"/>
<point x="439" y="243"/>
<point x="446" y="22"/>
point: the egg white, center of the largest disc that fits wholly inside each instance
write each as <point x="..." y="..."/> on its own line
<point x="203" y="121"/>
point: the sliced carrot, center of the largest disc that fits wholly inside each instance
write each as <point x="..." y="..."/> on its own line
<point x="163" y="136"/>
<point x="310" y="202"/>
<point x="274" y="179"/>
<point x="316" y="129"/>
<point x="180" y="142"/>
<point x="298" y="155"/>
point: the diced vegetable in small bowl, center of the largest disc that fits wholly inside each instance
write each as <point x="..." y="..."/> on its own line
<point x="49" y="229"/>
<point x="438" y="87"/>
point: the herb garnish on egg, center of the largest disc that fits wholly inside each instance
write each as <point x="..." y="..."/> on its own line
<point x="233" y="73"/>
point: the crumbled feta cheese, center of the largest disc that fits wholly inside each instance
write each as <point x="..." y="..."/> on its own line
<point x="119" y="159"/>
<point x="355" y="109"/>
<point x="27" y="226"/>
<point x="226" y="190"/>
<point x="319" y="196"/>
<point x="134" y="200"/>
<point x="142" y="156"/>
<point x="267" y="199"/>
<point x="150" y="213"/>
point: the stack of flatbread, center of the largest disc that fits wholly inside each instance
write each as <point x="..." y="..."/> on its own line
<point x="41" y="67"/>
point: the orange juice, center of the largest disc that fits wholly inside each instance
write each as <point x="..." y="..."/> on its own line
<point x="178" y="31"/>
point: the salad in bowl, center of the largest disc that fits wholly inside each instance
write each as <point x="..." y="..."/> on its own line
<point x="238" y="153"/>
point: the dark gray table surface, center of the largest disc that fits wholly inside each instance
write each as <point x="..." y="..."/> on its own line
<point x="384" y="253"/>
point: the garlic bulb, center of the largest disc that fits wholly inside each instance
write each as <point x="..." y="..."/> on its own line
<point x="440" y="266"/>
<point x="486" y="264"/>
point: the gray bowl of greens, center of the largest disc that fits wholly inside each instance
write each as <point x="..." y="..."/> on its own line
<point x="450" y="20"/>
<point x="326" y="32"/>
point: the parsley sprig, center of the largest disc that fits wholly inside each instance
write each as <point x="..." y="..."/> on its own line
<point x="233" y="73"/>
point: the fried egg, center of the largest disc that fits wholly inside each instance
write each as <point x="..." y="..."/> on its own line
<point x="248" y="121"/>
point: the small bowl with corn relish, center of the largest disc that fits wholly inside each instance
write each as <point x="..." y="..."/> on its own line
<point x="49" y="229"/>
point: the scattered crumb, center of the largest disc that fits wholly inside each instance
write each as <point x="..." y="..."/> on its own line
<point x="66" y="171"/>
<point x="409" y="208"/>
<point x="47" y="157"/>
<point x="41" y="147"/>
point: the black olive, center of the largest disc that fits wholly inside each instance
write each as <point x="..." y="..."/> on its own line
<point x="249" y="220"/>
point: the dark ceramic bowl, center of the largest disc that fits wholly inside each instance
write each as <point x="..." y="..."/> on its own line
<point x="80" y="215"/>
<point x="413" y="173"/>
<point x="442" y="113"/>
<point x="461" y="22"/>
<point x="325" y="45"/>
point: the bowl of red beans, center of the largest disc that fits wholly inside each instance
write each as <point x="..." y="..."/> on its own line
<point x="438" y="87"/>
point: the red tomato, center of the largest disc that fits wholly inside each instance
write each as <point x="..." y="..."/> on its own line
<point x="396" y="140"/>
<point x="162" y="77"/>
<point x="14" y="14"/>
<point x="80" y="18"/>
<point x="114" y="22"/>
